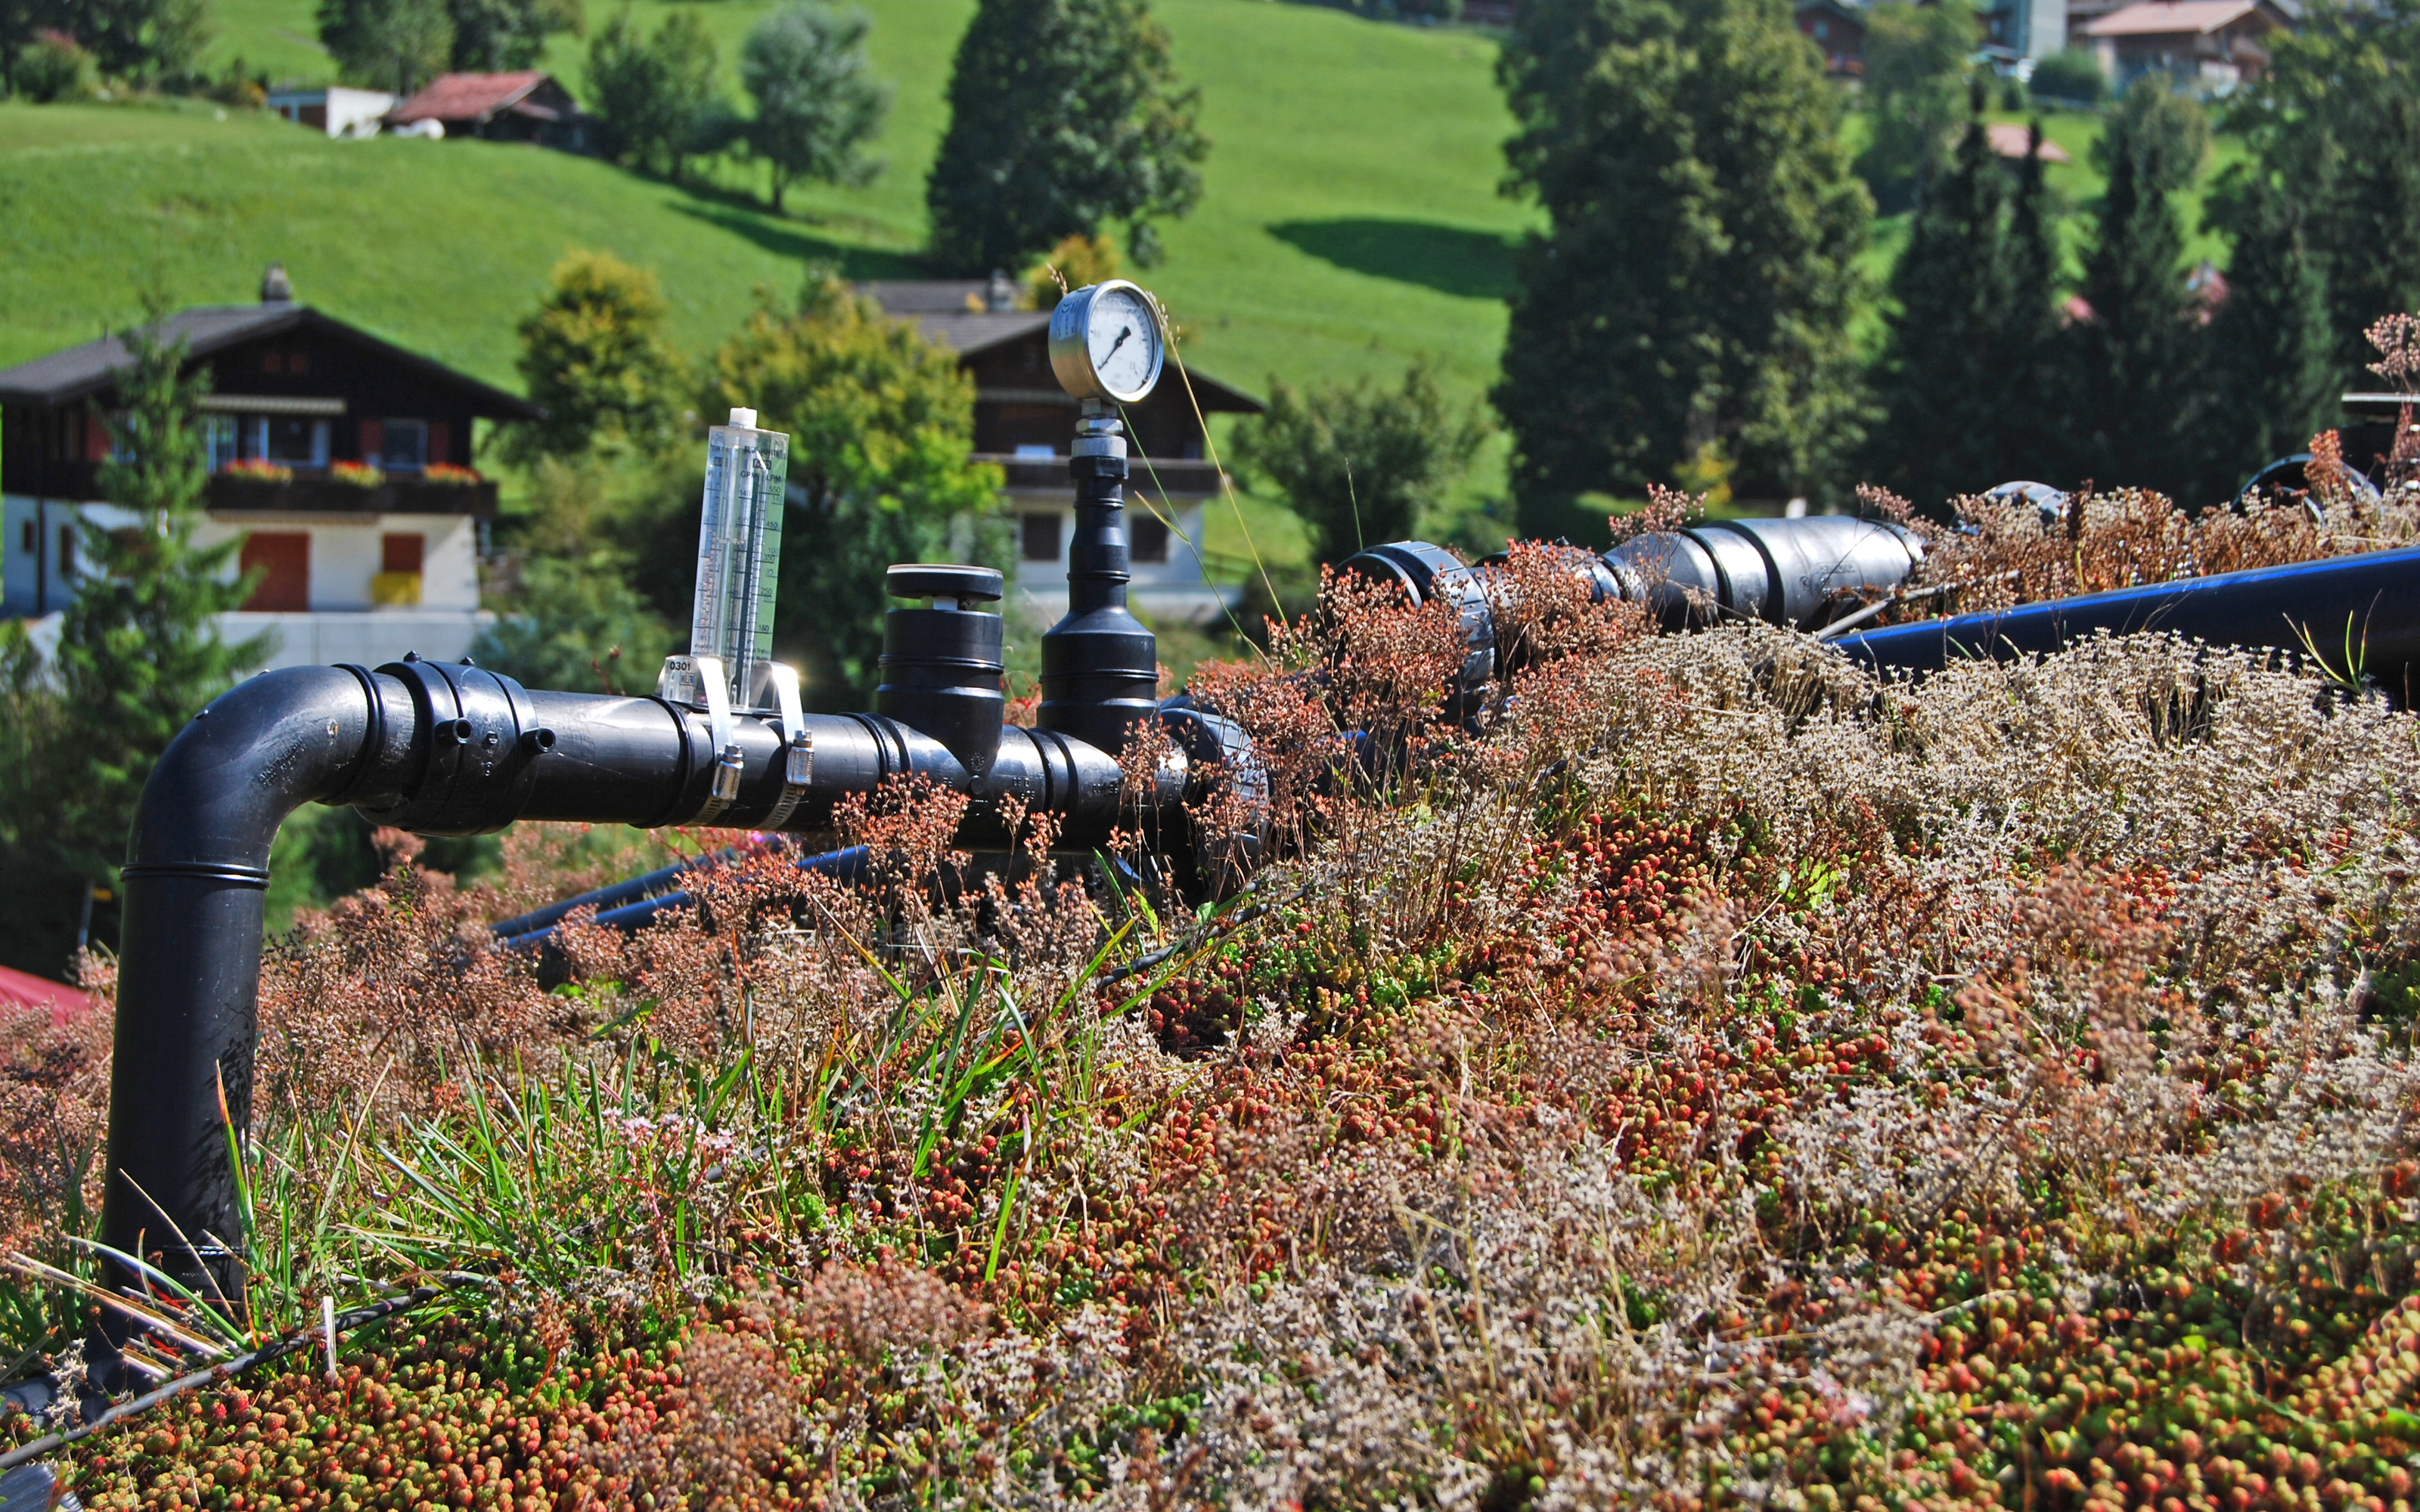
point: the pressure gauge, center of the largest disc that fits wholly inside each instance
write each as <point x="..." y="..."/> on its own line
<point x="1105" y="342"/>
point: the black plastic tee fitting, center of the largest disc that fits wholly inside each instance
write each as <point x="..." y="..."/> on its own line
<point x="1100" y="666"/>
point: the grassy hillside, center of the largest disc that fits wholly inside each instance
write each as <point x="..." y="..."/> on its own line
<point x="1345" y="228"/>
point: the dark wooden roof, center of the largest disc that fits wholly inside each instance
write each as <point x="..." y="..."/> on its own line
<point x="83" y="372"/>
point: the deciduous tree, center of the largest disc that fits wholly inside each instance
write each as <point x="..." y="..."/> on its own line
<point x="593" y="355"/>
<point x="396" y="45"/>
<point x="881" y="425"/>
<point x="490" y="36"/>
<point x="1359" y="462"/>
<point x="650" y="94"/>
<point x="1065" y="115"/>
<point x="817" y="101"/>
<point x="1916" y="86"/>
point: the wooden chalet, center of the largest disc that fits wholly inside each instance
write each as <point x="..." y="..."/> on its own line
<point x="341" y="459"/>
<point x="1025" y="422"/>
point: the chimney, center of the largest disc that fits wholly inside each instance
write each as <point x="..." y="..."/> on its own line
<point x="274" y="287"/>
<point x="999" y="291"/>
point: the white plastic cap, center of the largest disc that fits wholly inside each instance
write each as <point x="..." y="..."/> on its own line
<point x="744" y="419"/>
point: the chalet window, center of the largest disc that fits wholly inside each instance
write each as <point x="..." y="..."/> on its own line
<point x="1147" y="537"/>
<point x="283" y="560"/>
<point x="27" y="537"/>
<point x="291" y="441"/>
<point x="1041" y="537"/>
<point x="67" y="552"/>
<point x="403" y="445"/>
<point x="219" y="438"/>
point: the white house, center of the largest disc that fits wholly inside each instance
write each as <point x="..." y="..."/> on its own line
<point x="336" y="111"/>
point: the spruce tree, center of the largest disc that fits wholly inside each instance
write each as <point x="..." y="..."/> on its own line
<point x="1692" y="295"/>
<point x="1963" y="380"/>
<point x="2134" y="379"/>
<point x="139" y="645"/>
<point x="2333" y="121"/>
<point x="2270" y="372"/>
<point x="1065" y="115"/>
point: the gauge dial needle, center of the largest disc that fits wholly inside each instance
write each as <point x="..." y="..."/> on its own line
<point x="1123" y="334"/>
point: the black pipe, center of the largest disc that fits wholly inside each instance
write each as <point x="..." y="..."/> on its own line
<point x="196" y="881"/>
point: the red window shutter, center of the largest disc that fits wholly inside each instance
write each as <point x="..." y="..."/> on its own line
<point x="402" y="552"/>
<point x="96" y="437"/>
<point x="373" y="434"/>
<point x="440" y="442"/>
<point x="283" y="559"/>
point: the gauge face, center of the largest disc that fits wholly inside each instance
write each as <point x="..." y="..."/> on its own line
<point x="1105" y="342"/>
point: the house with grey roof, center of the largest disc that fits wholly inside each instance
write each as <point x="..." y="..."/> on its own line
<point x="1025" y="422"/>
<point x="341" y="461"/>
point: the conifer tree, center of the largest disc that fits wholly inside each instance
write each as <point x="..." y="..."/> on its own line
<point x="1065" y="115"/>
<point x="2331" y="122"/>
<point x="139" y="645"/>
<point x="1692" y="295"/>
<point x="1963" y="378"/>
<point x="2270" y="373"/>
<point x="2134" y="350"/>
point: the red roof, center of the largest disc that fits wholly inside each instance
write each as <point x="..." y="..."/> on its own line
<point x="2009" y="138"/>
<point x="2160" y="18"/>
<point x="466" y="97"/>
<point x="18" y="989"/>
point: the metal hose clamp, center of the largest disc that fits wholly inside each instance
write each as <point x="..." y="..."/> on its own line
<point x="798" y="762"/>
<point x="692" y="680"/>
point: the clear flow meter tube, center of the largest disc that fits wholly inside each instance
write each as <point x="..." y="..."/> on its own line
<point x="739" y="554"/>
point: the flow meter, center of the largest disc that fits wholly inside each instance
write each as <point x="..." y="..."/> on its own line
<point x="730" y="664"/>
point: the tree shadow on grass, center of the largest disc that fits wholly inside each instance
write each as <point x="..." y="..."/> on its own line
<point x="1452" y="259"/>
<point x="784" y="240"/>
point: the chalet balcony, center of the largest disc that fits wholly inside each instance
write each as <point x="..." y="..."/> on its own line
<point x="1178" y="477"/>
<point x="312" y="492"/>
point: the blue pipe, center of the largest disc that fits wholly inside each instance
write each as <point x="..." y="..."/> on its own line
<point x="534" y="930"/>
<point x="2358" y="616"/>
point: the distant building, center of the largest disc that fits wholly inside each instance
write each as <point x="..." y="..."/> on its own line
<point x="1025" y="422"/>
<point x="339" y="459"/>
<point x="2019" y="34"/>
<point x="528" y="107"/>
<point x="341" y="113"/>
<point x="2213" y="44"/>
<point x="1837" y="29"/>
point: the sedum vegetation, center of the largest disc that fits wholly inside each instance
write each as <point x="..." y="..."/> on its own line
<point x="1718" y="1078"/>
